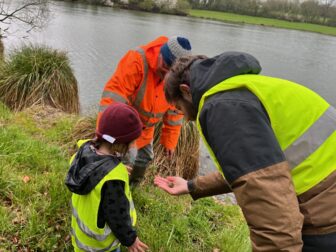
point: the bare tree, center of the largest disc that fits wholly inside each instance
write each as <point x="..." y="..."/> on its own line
<point x="326" y="9"/>
<point x="310" y="10"/>
<point x="29" y="14"/>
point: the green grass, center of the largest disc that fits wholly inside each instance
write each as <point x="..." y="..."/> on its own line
<point x="235" y="18"/>
<point x="34" y="203"/>
<point x="180" y="224"/>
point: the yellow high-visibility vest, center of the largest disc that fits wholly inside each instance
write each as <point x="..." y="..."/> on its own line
<point x="303" y="122"/>
<point x="86" y="236"/>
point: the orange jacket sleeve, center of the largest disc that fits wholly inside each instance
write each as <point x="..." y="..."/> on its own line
<point x="124" y="82"/>
<point x="172" y="122"/>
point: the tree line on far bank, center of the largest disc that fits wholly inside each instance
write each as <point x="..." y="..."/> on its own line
<point x="309" y="11"/>
<point x="177" y="7"/>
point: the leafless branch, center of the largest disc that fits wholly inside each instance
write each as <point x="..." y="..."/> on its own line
<point x="31" y="13"/>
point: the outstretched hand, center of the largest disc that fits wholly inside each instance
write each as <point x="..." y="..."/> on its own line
<point x="172" y="185"/>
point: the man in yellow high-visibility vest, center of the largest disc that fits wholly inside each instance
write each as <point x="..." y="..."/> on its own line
<point x="273" y="142"/>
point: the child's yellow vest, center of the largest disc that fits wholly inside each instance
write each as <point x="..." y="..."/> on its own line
<point x="86" y="236"/>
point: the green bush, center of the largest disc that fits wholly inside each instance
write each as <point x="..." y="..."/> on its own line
<point x="38" y="75"/>
<point x="147" y="5"/>
<point x="183" y="7"/>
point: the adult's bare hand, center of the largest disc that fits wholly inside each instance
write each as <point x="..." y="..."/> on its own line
<point x="169" y="153"/>
<point x="172" y="185"/>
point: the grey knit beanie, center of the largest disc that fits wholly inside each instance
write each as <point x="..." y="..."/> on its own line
<point x="175" y="47"/>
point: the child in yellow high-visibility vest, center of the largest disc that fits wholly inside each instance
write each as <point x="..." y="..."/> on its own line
<point x="103" y="214"/>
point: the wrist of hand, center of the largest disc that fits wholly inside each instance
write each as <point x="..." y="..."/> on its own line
<point x="191" y="186"/>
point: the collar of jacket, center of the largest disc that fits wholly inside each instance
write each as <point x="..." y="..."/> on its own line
<point x="88" y="169"/>
<point x="152" y="51"/>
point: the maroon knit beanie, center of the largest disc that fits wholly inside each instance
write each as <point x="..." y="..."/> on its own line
<point x="119" y="123"/>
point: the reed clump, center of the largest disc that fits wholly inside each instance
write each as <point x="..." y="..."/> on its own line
<point x="84" y="128"/>
<point x="38" y="75"/>
<point x="185" y="160"/>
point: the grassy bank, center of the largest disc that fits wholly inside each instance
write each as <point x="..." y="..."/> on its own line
<point x="235" y="18"/>
<point x="34" y="209"/>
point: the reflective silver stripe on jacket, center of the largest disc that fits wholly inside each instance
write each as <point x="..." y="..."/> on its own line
<point x="150" y="114"/>
<point x="141" y="92"/>
<point x="109" y="94"/>
<point x="132" y="208"/>
<point x="174" y="123"/>
<point x="312" y="139"/>
<point x="149" y="124"/>
<point x="91" y="249"/>
<point x="87" y="231"/>
<point x="114" y="96"/>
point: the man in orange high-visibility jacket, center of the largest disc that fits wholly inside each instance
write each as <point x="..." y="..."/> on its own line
<point x="138" y="81"/>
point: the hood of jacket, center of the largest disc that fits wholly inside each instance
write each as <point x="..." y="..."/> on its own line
<point x="152" y="50"/>
<point x="206" y="73"/>
<point x="88" y="169"/>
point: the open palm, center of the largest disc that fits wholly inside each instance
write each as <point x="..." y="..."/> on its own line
<point x="172" y="185"/>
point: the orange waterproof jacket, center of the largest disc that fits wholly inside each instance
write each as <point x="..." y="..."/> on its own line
<point x="136" y="83"/>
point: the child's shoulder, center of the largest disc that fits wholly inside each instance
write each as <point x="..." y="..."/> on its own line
<point x="82" y="141"/>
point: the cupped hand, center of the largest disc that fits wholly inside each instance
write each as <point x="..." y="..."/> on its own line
<point x="172" y="185"/>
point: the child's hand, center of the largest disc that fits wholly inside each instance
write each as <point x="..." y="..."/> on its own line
<point x="129" y="169"/>
<point x="138" y="246"/>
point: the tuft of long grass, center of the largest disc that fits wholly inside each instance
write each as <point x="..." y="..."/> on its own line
<point x="38" y="75"/>
<point x="185" y="160"/>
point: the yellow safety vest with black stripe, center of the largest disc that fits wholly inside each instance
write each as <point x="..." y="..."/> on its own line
<point x="86" y="236"/>
<point x="303" y="122"/>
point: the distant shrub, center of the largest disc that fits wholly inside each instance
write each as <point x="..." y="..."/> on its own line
<point x="182" y="7"/>
<point x="147" y="5"/>
<point x="332" y="21"/>
<point x="38" y="75"/>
